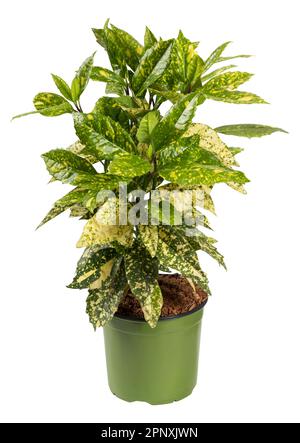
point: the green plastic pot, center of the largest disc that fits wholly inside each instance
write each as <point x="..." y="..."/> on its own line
<point x="158" y="365"/>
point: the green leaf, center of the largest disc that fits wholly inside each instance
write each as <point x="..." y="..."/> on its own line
<point x="103" y="228"/>
<point x="204" y="174"/>
<point x="62" y="86"/>
<point x="248" y="130"/>
<point x="73" y="197"/>
<point x="226" y="81"/>
<point x="110" y="42"/>
<point x="79" y="149"/>
<point x="95" y="144"/>
<point x="200" y="242"/>
<point x="175" y="122"/>
<point x="65" y="166"/>
<point x="215" y="56"/>
<point x="89" y="266"/>
<point x="209" y="140"/>
<point x="132" y="49"/>
<point x="82" y="78"/>
<point x="176" y="253"/>
<point x="237" y="97"/>
<point x="111" y="130"/>
<point x="149" y="236"/>
<point x="105" y="75"/>
<point x="102" y="303"/>
<point x="115" y="108"/>
<point x="152" y="66"/>
<point x="189" y="65"/>
<point x="204" y="194"/>
<point x="51" y="105"/>
<point x="147" y="125"/>
<point x="142" y="274"/>
<point x="217" y="72"/>
<point x="129" y="165"/>
<point x="149" y="39"/>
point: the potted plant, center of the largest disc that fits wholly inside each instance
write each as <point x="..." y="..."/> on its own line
<point x="141" y="179"/>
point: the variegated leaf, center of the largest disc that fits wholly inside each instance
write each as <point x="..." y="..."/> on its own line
<point x="248" y="130"/>
<point x="226" y="81"/>
<point x="95" y="144"/>
<point x="65" y="166"/>
<point x="103" y="228"/>
<point x="51" y="105"/>
<point x="215" y="56"/>
<point x="62" y="86"/>
<point x="202" y="174"/>
<point x="105" y="75"/>
<point x="111" y="130"/>
<point x="81" y="78"/>
<point x="129" y="164"/>
<point x="152" y="66"/>
<point x="149" y="39"/>
<point x="216" y="72"/>
<point x="209" y="140"/>
<point x="236" y="97"/>
<point x="177" y="254"/>
<point x="142" y="273"/>
<point x="200" y="241"/>
<point x="175" y="122"/>
<point x="70" y="199"/>
<point x="132" y="49"/>
<point x="147" y="124"/>
<point x="79" y="149"/>
<point x="202" y="196"/>
<point x="90" y="266"/>
<point x="149" y="236"/>
<point x="102" y="303"/>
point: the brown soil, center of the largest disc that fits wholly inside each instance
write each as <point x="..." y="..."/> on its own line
<point x="178" y="295"/>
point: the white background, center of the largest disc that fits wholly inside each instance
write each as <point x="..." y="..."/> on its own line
<point x="52" y="363"/>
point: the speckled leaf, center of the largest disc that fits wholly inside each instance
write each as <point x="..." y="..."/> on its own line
<point x="142" y="273"/>
<point x="51" y="105"/>
<point x="73" y="197"/>
<point x="152" y="66"/>
<point x="89" y="266"/>
<point x="197" y="174"/>
<point x="129" y="165"/>
<point x="173" y="96"/>
<point x="189" y="64"/>
<point x="105" y="75"/>
<point x="108" y="39"/>
<point x="103" y="228"/>
<point x="65" y="166"/>
<point x="79" y="149"/>
<point x="111" y="130"/>
<point x="149" y="39"/>
<point x="149" y="236"/>
<point x="248" y="130"/>
<point x="114" y="88"/>
<point x="226" y="81"/>
<point x="204" y="196"/>
<point x="200" y="241"/>
<point x="177" y="254"/>
<point x="175" y="122"/>
<point x="95" y="144"/>
<point x="102" y="303"/>
<point x="132" y="49"/>
<point x="215" y="56"/>
<point x="216" y="72"/>
<point x="236" y="97"/>
<point x="81" y="78"/>
<point x="147" y="124"/>
<point x="62" y="86"/>
<point x="209" y="140"/>
<point x="236" y="151"/>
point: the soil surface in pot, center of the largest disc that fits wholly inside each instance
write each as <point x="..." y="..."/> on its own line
<point x="179" y="298"/>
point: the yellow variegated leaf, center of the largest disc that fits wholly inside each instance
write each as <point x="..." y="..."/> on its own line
<point x="210" y="141"/>
<point x="149" y="236"/>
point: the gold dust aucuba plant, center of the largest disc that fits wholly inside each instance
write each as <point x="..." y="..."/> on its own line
<point x="139" y="146"/>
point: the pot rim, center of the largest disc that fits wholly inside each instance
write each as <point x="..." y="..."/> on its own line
<point x="174" y="317"/>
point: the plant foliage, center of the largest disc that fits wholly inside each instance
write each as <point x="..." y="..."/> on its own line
<point x="133" y="142"/>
